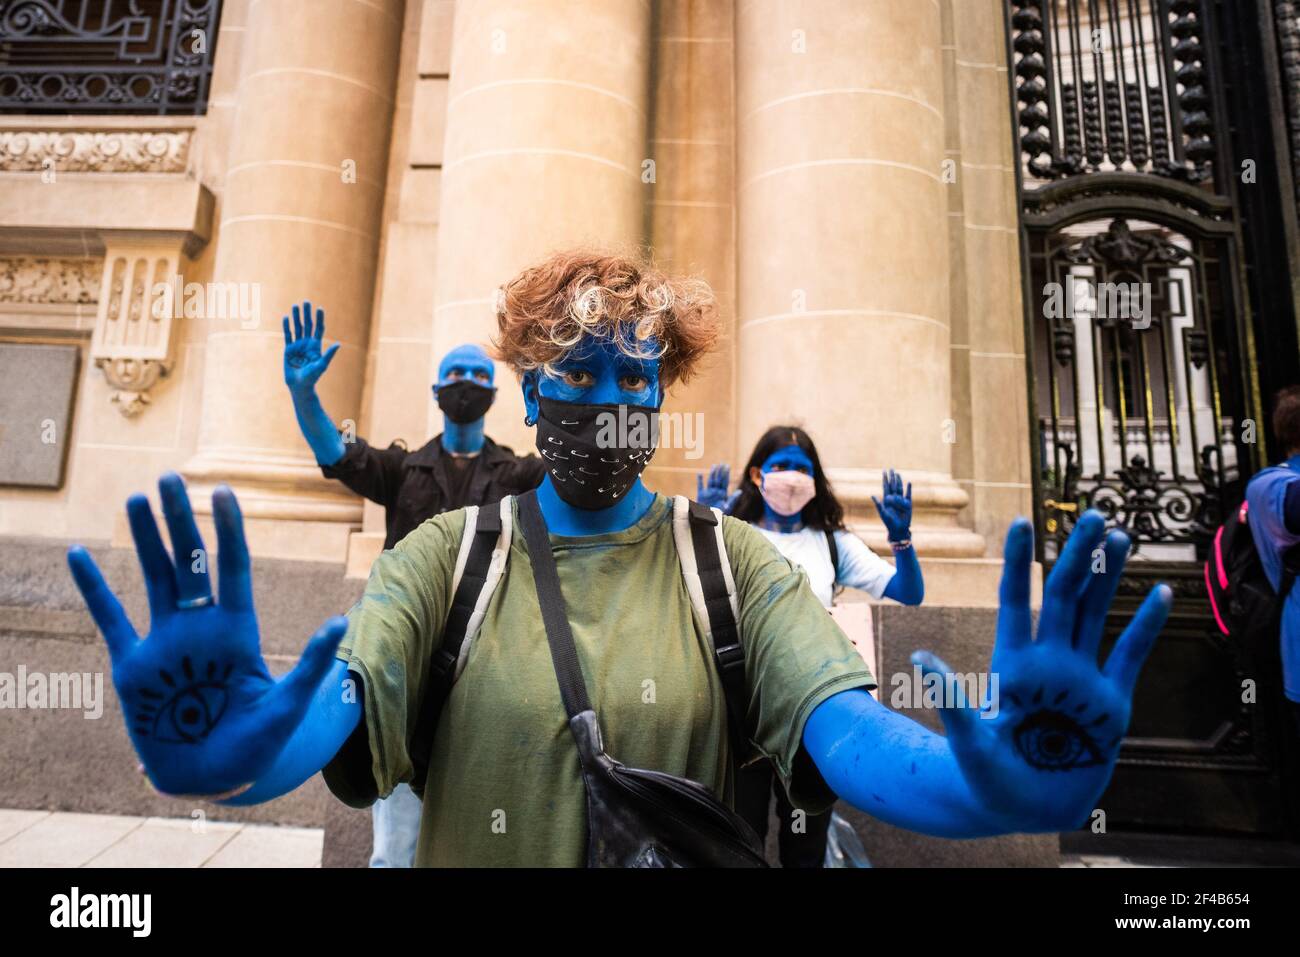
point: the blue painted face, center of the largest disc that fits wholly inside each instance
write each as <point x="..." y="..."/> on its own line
<point x="466" y="362"/>
<point x="596" y="373"/>
<point x="789" y="457"/>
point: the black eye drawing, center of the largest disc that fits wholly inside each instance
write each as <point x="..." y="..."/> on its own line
<point x="184" y="713"/>
<point x="1053" y="741"/>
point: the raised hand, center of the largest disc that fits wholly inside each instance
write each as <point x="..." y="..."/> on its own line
<point x="204" y="713"/>
<point x="1043" y="760"/>
<point x="303" y="361"/>
<point x="714" y="493"/>
<point x="896" y="512"/>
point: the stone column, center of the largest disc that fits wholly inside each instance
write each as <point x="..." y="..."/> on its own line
<point x="545" y="140"/>
<point x="299" y="218"/>
<point x="842" y="243"/>
<point x="988" y="347"/>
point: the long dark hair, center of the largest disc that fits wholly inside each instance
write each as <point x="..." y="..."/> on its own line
<point x="824" y="511"/>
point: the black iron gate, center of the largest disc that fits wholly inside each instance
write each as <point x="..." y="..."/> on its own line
<point x="1142" y="260"/>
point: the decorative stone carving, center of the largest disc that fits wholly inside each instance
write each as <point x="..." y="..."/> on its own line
<point x="132" y="343"/>
<point x="131" y="379"/>
<point x="93" y="151"/>
<point x="29" y="279"/>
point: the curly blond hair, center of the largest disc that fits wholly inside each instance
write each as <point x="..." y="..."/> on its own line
<point x="545" y="311"/>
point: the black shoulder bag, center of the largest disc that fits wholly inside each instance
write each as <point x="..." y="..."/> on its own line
<point x="635" y="818"/>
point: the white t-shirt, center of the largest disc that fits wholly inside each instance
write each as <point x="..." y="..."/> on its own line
<point x="859" y="567"/>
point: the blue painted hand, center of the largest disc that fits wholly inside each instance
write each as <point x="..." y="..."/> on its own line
<point x="1042" y="761"/>
<point x="204" y="713"/>
<point x="714" y="493"/>
<point x="303" y="361"/>
<point x="896" y="510"/>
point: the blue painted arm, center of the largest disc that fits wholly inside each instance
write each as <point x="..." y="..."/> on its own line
<point x="1291" y="508"/>
<point x="331" y="717"/>
<point x="205" y="715"/>
<point x="304" y="364"/>
<point x="907" y="586"/>
<point x="1037" y="754"/>
<point x="897" y="771"/>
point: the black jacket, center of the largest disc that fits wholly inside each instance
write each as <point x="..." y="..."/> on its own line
<point x="412" y="488"/>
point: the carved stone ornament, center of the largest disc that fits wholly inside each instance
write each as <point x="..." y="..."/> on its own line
<point x="131" y="380"/>
<point x="91" y="151"/>
<point x="31" y="279"/>
<point x="134" y="327"/>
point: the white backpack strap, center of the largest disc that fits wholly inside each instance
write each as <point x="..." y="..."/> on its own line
<point x="484" y="545"/>
<point x="496" y="568"/>
<point x="690" y="568"/>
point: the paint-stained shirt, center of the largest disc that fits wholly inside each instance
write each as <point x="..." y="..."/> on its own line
<point x="503" y="786"/>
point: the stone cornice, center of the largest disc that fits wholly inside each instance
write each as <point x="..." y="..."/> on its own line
<point x="95" y="151"/>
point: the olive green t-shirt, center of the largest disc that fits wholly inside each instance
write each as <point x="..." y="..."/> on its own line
<point x="503" y="786"/>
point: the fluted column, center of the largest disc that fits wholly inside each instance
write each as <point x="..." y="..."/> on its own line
<point x="545" y="140"/>
<point x="299" y="218"/>
<point x="843" y="249"/>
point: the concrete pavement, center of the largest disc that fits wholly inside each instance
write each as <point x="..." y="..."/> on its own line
<point x="62" y="839"/>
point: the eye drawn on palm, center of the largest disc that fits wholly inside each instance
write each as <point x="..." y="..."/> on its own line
<point x="304" y="362"/>
<point x="204" y="713"/>
<point x="896" y="510"/>
<point x="1042" y="761"/>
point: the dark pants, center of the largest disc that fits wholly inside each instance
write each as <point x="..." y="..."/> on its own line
<point x="1295" y="713"/>
<point x="754" y="789"/>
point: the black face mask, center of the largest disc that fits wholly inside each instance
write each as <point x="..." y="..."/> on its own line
<point x="595" y="453"/>
<point x="465" y="401"/>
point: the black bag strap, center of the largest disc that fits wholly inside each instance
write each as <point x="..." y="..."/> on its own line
<point x="442" y="663"/>
<point x="834" y="549"/>
<point x="728" y="653"/>
<point x="564" y="654"/>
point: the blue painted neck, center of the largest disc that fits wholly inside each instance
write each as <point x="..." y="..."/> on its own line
<point x="465" y="439"/>
<point x="563" y="519"/>
<point x="1293" y="462"/>
<point x="776" y="522"/>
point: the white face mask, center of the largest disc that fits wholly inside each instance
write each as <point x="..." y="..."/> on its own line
<point x="787" y="492"/>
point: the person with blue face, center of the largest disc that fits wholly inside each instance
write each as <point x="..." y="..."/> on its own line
<point x="593" y="335"/>
<point x="459" y="467"/>
<point x="785" y="494"/>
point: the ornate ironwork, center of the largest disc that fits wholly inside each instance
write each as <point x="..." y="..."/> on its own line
<point x="1287" y="17"/>
<point x="1126" y="181"/>
<point x="1106" y="85"/>
<point x="1136" y="427"/>
<point x="107" y="56"/>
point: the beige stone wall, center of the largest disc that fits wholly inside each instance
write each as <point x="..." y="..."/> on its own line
<point x="989" y="394"/>
<point x="794" y="153"/>
<point x="691" y="216"/>
<point x="398" y="404"/>
<point x="112" y="455"/>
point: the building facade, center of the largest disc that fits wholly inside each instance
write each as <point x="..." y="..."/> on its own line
<point x="858" y="181"/>
<point x="835" y="171"/>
